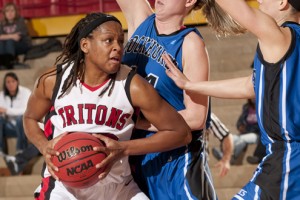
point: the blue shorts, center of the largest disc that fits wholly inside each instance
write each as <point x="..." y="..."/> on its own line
<point x="182" y="174"/>
<point x="277" y="176"/>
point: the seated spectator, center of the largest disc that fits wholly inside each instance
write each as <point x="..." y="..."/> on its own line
<point x="249" y="134"/>
<point x="16" y="164"/>
<point x="13" y="102"/>
<point x="14" y="37"/>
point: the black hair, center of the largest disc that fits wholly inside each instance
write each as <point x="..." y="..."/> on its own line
<point x="73" y="56"/>
<point x="11" y="75"/>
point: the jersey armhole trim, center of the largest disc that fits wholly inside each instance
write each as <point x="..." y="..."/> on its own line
<point x="127" y="85"/>
<point x="59" y="75"/>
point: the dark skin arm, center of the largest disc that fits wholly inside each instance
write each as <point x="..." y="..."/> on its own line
<point x="172" y="132"/>
<point x="39" y="104"/>
<point x="156" y="110"/>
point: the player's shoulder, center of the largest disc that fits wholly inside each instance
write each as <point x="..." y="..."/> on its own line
<point x="193" y="44"/>
<point x="193" y="38"/>
<point x="48" y="78"/>
<point x="49" y="73"/>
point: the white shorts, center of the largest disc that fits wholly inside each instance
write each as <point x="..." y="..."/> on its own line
<point x="55" y="190"/>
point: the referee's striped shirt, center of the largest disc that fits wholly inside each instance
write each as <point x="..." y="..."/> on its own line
<point x="218" y="128"/>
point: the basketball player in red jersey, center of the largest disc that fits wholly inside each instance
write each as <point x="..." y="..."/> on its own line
<point x="91" y="91"/>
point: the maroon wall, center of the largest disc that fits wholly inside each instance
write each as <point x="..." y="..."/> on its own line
<point x="50" y="8"/>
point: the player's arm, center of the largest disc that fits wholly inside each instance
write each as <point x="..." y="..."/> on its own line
<point x="38" y="105"/>
<point x="220" y="131"/>
<point x="135" y="13"/>
<point x="195" y="68"/>
<point x="172" y="132"/>
<point x="227" y="147"/>
<point x="274" y="41"/>
<point x="236" y="88"/>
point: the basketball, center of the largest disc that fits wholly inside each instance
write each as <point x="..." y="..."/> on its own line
<point x="77" y="160"/>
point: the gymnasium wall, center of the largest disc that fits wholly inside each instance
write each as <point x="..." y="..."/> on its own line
<point x="48" y="18"/>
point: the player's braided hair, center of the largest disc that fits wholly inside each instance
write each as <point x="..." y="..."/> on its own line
<point x="72" y="53"/>
<point x="220" y="21"/>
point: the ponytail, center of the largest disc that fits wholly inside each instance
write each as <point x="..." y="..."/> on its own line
<point x="221" y="22"/>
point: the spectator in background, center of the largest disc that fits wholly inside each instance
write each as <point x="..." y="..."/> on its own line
<point x="249" y="134"/>
<point x="220" y="131"/>
<point x="17" y="163"/>
<point x="13" y="102"/>
<point x="14" y="36"/>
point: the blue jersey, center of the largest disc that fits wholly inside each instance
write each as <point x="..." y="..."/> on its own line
<point x="278" y="97"/>
<point x="144" y="50"/>
<point x="278" y="93"/>
<point x="181" y="173"/>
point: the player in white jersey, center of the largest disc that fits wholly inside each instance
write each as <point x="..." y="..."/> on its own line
<point x="91" y="91"/>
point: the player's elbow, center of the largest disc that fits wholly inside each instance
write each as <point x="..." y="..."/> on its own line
<point x="196" y="124"/>
<point x="187" y="135"/>
<point x="196" y="121"/>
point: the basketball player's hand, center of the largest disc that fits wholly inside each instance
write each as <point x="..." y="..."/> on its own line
<point x="224" y="166"/>
<point x="48" y="152"/>
<point x="174" y="73"/>
<point x="114" y="151"/>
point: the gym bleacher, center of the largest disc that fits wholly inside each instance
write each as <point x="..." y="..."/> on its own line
<point x="229" y="57"/>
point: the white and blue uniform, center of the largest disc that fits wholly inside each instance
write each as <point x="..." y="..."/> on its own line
<point x="174" y="174"/>
<point x="278" y="98"/>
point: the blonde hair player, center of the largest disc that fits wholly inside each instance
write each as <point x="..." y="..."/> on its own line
<point x="275" y="85"/>
<point x="150" y="34"/>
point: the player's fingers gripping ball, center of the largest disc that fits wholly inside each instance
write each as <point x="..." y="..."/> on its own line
<point x="77" y="160"/>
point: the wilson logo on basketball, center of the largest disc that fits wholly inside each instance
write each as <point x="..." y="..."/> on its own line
<point x="79" y="168"/>
<point x="77" y="160"/>
<point x="73" y="151"/>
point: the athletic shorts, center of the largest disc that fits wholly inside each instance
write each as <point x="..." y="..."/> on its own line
<point x="182" y="174"/>
<point x="277" y="176"/>
<point x="50" y="189"/>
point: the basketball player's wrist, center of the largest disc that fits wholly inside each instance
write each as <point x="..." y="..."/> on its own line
<point x="125" y="148"/>
<point x="187" y="86"/>
<point x="42" y="147"/>
<point x="226" y="158"/>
